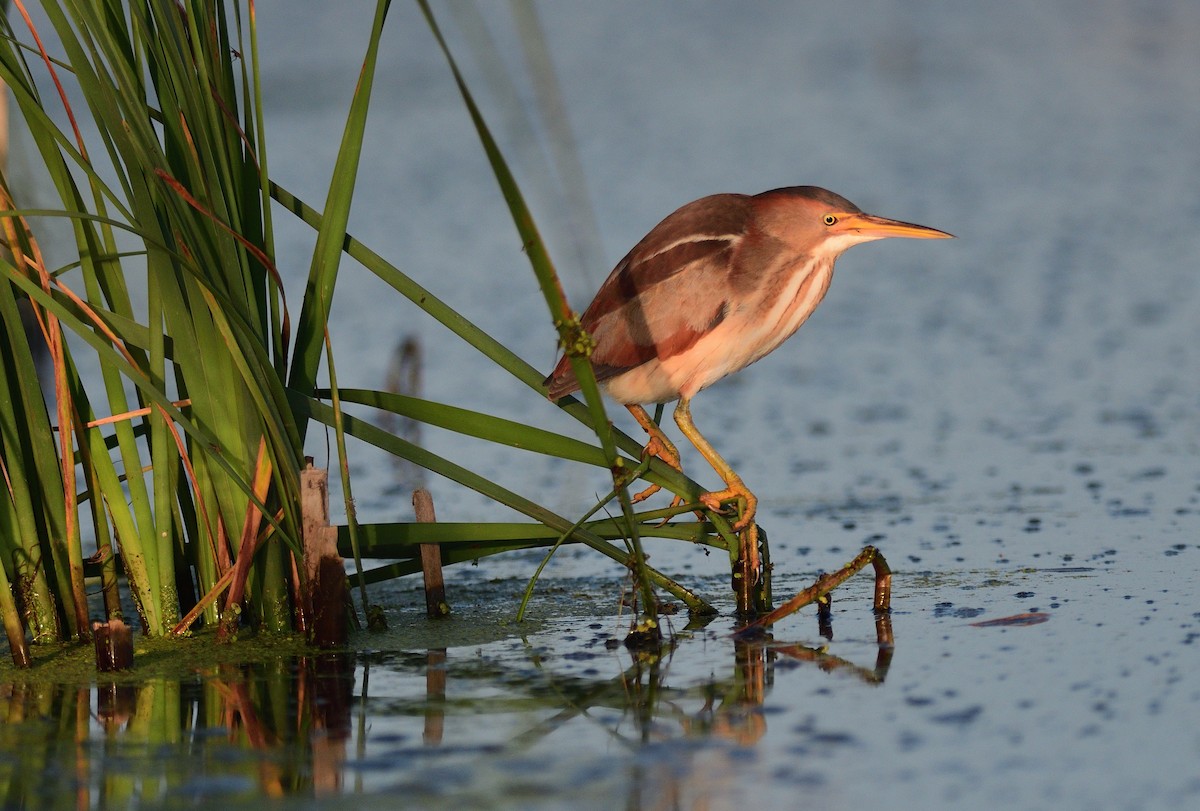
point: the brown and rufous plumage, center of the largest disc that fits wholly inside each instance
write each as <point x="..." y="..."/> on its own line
<point x="711" y="289"/>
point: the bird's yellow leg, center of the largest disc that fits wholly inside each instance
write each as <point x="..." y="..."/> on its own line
<point x="659" y="445"/>
<point x="735" y="488"/>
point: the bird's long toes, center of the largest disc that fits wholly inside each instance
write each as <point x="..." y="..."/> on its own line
<point x="743" y="502"/>
<point x="664" y="451"/>
<point x="742" y="523"/>
<point x="645" y="494"/>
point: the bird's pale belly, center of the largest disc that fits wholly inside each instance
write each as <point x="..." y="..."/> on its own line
<point x="664" y="379"/>
<point x="733" y="344"/>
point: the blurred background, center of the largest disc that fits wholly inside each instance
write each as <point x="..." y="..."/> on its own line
<point x="1049" y="354"/>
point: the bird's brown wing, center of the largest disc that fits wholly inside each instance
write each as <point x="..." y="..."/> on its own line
<point x="666" y="294"/>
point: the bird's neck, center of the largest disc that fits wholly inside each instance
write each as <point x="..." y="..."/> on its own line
<point x="793" y="300"/>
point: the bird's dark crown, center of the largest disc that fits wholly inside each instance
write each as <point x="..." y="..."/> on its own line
<point x="835" y="202"/>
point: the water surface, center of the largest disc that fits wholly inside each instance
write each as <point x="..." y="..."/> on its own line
<point x="1013" y="418"/>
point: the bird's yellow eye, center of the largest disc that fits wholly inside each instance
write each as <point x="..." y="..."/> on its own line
<point x="830" y="219"/>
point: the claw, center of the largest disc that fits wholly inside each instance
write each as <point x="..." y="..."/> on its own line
<point x="645" y="494"/>
<point x="745" y="527"/>
<point x="666" y="452"/>
<point x="747" y="503"/>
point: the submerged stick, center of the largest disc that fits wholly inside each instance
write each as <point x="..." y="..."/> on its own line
<point x="827" y="583"/>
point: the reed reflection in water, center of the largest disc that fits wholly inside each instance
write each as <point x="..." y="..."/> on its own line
<point x="298" y="728"/>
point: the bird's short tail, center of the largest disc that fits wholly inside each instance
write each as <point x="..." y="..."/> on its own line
<point x="561" y="381"/>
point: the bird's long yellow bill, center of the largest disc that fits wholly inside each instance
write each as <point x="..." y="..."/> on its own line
<point x="880" y="227"/>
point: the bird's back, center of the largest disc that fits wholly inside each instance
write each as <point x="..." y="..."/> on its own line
<point x="660" y="298"/>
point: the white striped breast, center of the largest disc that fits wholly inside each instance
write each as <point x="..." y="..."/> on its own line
<point x="741" y="339"/>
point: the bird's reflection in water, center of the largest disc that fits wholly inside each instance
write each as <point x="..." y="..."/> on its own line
<point x="733" y="709"/>
<point x="732" y="718"/>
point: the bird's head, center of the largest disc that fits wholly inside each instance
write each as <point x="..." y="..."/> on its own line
<point x="817" y="221"/>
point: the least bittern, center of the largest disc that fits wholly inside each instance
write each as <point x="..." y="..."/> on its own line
<point x="712" y="288"/>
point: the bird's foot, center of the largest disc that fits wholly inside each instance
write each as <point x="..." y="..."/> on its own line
<point x="747" y="530"/>
<point x="664" y="450"/>
<point x="747" y="503"/>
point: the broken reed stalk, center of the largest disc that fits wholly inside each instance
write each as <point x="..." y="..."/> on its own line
<point x="325" y="586"/>
<point x="431" y="559"/>
<point x="113" y="641"/>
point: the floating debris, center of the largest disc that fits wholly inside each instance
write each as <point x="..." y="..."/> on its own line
<point x="1015" y="621"/>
